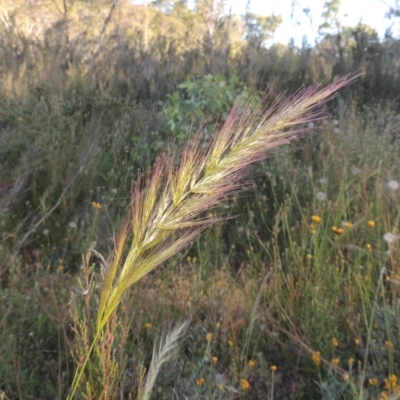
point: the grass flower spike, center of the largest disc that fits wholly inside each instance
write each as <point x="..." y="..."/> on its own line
<point x="168" y="212"/>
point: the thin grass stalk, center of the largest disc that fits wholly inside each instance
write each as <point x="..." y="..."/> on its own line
<point x="162" y="352"/>
<point x="169" y="204"/>
<point x="370" y="329"/>
<point x="254" y="315"/>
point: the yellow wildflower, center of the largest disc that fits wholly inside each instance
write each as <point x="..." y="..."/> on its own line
<point x="309" y="256"/>
<point x="214" y="359"/>
<point x="209" y="337"/>
<point x="336" y="361"/>
<point x="335" y="342"/>
<point x="384" y="395"/>
<point x="317" y="219"/>
<point x="148" y="325"/>
<point x="274" y="368"/>
<point x="391" y="382"/>
<point x="337" y="230"/>
<point x="348" y="224"/>
<point x="351" y="361"/>
<point x="389" y="344"/>
<point x="373" y="381"/>
<point x="357" y="341"/>
<point x="217" y="325"/>
<point x="96" y="205"/>
<point x="200" y="382"/>
<point x="316" y="357"/>
<point x="371" y="224"/>
<point x="244" y="384"/>
<point x="368" y="246"/>
<point x="251" y="363"/>
<point x="230" y="343"/>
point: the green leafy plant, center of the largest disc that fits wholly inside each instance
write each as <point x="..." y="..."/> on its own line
<point x="197" y="99"/>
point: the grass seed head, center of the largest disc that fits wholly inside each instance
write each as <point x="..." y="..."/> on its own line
<point x="170" y="205"/>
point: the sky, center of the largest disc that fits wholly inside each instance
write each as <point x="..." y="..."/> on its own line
<point x="370" y="12"/>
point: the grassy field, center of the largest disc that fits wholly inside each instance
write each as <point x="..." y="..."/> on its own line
<point x="289" y="287"/>
<point x="294" y="296"/>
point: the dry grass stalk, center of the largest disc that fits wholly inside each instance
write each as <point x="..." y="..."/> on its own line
<point x="162" y="352"/>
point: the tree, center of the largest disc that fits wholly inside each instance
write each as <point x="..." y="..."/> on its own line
<point x="333" y="18"/>
<point x="260" y="28"/>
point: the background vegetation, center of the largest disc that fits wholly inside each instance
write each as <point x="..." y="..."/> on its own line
<point x="295" y="297"/>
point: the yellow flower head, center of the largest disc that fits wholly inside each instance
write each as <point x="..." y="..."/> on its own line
<point x="337" y="230"/>
<point x="309" y="256"/>
<point x="389" y="344"/>
<point x="368" y="246"/>
<point x="148" y="325"/>
<point x="214" y="359"/>
<point x="371" y="224"/>
<point x="252" y="363"/>
<point x="351" y="361"/>
<point x="336" y="361"/>
<point x="384" y="395"/>
<point x="230" y="343"/>
<point x="244" y="384"/>
<point x="348" y="224"/>
<point x="96" y="205"/>
<point x="373" y="381"/>
<point x="391" y="382"/>
<point x="316" y="357"/>
<point x="209" y="337"/>
<point x="200" y="382"/>
<point x="274" y="368"/>
<point x="317" y="219"/>
<point x="335" y="342"/>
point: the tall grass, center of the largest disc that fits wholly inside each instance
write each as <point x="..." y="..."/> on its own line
<point x="169" y="205"/>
